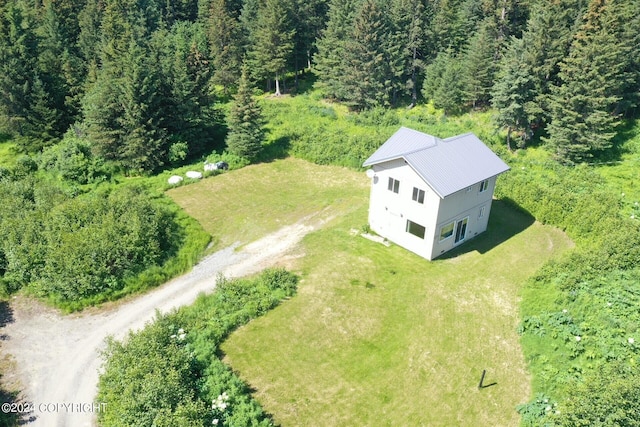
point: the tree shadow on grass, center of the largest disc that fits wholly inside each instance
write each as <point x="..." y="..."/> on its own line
<point x="506" y="220"/>
<point x="278" y="149"/>
<point x="625" y="132"/>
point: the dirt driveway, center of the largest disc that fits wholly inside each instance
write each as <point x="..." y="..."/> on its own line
<point x="57" y="357"/>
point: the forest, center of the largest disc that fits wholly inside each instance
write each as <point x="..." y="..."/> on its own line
<point x="142" y="80"/>
<point x="96" y="94"/>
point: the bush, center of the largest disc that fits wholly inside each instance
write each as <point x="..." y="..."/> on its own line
<point x="580" y="311"/>
<point x="95" y="242"/>
<point x="170" y="374"/>
<point x="72" y="160"/>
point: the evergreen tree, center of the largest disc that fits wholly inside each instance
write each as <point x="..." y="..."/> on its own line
<point x="513" y="93"/>
<point x="330" y="64"/>
<point x="89" y="37"/>
<point x="409" y="22"/>
<point x="124" y="114"/>
<point x="367" y="78"/>
<point x="24" y="100"/>
<point x="480" y="63"/>
<point x="450" y="26"/>
<point x="586" y="104"/>
<point x="273" y="40"/>
<point x="245" y="122"/>
<point x="309" y="19"/>
<point x="226" y="44"/>
<point x="60" y="67"/>
<point x="547" y="40"/>
<point x="445" y="83"/>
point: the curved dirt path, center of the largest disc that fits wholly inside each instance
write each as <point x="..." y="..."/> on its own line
<point x="57" y="358"/>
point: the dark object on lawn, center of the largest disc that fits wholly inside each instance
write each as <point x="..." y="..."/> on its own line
<point x="222" y="165"/>
<point x="482" y="385"/>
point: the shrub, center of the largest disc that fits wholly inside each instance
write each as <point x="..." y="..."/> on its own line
<point x="95" y="242"/>
<point x="72" y="160"/>
<point x="178" y="151"/>
<point x="170" y="374"/>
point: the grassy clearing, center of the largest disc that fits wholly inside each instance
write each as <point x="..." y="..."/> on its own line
<point x="308" y="127"/>
<point x="378" y="336"/>
<point x="8" y="153"/>
<point x="244" y="205"/>
<point x="623" y="173"/>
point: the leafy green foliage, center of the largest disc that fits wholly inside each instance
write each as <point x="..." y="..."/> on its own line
<point x="73" y="160"/>
<point x="74" y="248"/>
<point x="170" y="374"/>
<point x="149" y="379"/>
<point x="579" y="312"/>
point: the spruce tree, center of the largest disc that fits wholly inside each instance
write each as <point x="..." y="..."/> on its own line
<point x="445" y="83"/>
<point x="24" y="98"/>
<point x="330" y="64"/>
<point x="309" y="19"/>
<point x="513" y="93"/>
<point x="480" y="64"/>
<point x="367" y="77"/>
<point x="273" y="37"/>
<point x="226" y="44"/>
<point x="547" y="40"/>
<point x="245" y="122"/>
<point x="409" y="20"/>
<point x="585" y="105"/>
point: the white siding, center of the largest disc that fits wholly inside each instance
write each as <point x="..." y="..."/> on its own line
<point x="462" y="204"/>
<point x="389" y="212"/>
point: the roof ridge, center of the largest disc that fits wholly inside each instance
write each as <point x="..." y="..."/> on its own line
<point x="451" y="138"/>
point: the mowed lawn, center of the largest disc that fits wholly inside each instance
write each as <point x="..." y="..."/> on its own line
<point x="244" y="205"/>
<point x="376" y="335"/>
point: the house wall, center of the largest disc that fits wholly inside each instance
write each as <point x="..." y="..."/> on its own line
<point x="463" y="204"/>
<point x="389" y="212"/>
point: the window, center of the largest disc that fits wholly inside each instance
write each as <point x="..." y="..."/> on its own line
<point x="481" y="213"/>
<point x="446" y="231"/>
<point x="416" y="229"/>
<point x="484" y="185"/>
<point x="394" y="185"/>
<point x="418" y="195"/>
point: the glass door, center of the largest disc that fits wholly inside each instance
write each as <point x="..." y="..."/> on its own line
<point x="461" y="230"/>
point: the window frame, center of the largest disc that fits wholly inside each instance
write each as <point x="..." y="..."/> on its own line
<point x="393" y="185"/>
<point x="484" y="185"/>
<point x="418" y="195"/>
<point x="449" y="233"/>
<point x="420" y="233"/>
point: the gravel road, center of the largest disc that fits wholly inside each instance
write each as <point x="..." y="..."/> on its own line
<point x="57" y="357"/>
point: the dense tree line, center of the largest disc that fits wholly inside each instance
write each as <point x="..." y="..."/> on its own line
<point x="137" y="77"/>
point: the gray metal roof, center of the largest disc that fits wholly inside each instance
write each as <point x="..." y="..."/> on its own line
<point x="446" y="165"/>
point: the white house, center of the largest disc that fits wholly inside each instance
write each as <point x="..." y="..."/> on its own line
<point x="429" y="195"/>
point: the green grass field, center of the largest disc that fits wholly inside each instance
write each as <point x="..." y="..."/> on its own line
<point x="244" y="205"/>
<point x="376" y="335"/>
